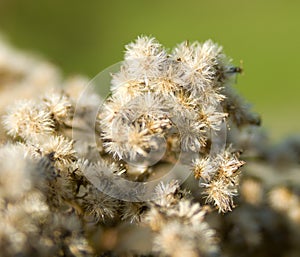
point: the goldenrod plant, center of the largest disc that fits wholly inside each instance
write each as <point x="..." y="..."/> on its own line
<point x="156" y="168"/>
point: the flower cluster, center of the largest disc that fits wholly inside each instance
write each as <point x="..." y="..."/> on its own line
<point x="179" y="225"/>
<point x="62" y="195"/>
<point x="182" y="100"/>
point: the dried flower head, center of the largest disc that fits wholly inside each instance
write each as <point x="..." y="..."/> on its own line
<point x="59" y="106"/>
<point x="16" y="176"/>
<point x="27" y="119"/>
<point x="60" y="148"/>
<point x="252" y="191"/>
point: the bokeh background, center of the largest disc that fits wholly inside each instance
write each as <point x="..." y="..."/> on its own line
<point x="87" y="36"/>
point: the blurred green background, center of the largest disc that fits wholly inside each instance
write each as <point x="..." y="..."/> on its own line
<point x="87" y="36"/>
